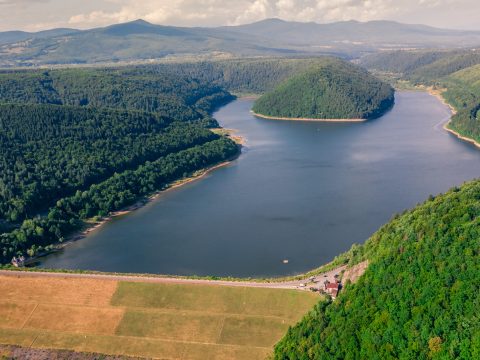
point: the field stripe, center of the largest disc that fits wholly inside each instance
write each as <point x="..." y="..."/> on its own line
<point x="29" y="316"/>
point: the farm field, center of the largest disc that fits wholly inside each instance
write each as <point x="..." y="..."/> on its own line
<point x="153" y="320"/>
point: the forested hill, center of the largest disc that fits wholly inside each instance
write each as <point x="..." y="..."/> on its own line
<point x="419" y="297"/>
<point x="82" y="143"/>
<point x="330" y="89"/>
<point x="163" y="90"/>
<point x="457" y="72"/>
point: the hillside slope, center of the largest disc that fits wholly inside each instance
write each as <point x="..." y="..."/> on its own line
<point x="77" y="144"/>
<point x="419" y="297"/>
<point x="331" y="89"/>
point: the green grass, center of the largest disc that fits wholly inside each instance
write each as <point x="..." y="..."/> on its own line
<point x="215" y="299"/>
<point x="175" y="326"/>
<point x="253" y="331"/>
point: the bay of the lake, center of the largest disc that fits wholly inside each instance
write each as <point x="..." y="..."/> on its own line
<point x="302" y="191"/>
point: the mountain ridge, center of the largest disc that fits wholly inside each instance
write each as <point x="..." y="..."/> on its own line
<point x="141" y="40"/>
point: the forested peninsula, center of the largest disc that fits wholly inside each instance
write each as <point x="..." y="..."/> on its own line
<point x="331" y="90"/>
<point x="80" y="144"/>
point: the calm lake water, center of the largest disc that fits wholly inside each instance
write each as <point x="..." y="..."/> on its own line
<point x="300" y="191"/>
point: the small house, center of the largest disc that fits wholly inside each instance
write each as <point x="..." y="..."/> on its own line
<point x="332" y="288"/>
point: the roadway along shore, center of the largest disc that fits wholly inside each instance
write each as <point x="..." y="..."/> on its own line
<point x="303" y="284"/>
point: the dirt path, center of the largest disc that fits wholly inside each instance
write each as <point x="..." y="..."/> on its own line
<point x="305" y="284"/>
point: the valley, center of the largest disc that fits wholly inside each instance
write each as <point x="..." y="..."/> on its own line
<point x="152" y="206"/>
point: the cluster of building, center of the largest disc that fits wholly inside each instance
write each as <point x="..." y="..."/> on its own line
<point x="18" y="261"/>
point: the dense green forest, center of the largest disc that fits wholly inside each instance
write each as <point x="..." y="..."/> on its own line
<point x="80" y="143"/>
<point x="163" y="88"/>
<point x="247" y="76"/>
<point x="331" y="89"/>
<point x="39" y="233"/>
<point x="50" y="151"/>
<point x="419" y="297"/>
<point x="456" y="71"/>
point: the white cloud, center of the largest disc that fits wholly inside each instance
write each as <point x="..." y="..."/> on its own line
<point x="91" y="13"/>
<point x="216" y="12"/>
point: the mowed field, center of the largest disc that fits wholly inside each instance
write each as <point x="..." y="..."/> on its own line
<point x="153" y="320"/>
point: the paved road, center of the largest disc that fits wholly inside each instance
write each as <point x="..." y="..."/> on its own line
<point x="305" y="284"/>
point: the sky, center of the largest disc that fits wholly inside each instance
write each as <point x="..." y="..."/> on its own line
<point x="35" y="15"/>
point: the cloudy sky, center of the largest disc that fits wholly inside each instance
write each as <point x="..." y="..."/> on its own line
<point x="34" y="15"/>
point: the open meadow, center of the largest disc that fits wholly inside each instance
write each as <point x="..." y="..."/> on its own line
<point x="153" y="320"/>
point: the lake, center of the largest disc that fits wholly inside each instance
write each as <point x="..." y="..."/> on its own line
<point x="301" y="191"/>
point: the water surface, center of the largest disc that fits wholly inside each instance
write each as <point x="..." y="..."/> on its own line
<point x="300" y="191"/>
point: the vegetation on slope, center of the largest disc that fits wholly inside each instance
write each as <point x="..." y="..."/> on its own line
<point x="418" y="298"/>
<point x="245" y="76"/>
<point x="332" y="89"/>
<point x="457" y="71"/>
<point x="82" y="143"/>
<point x="165" y="90"/>
<point x="122" y="189"/>
<point x="463" y="92"/>
<point x="49" y="151"/>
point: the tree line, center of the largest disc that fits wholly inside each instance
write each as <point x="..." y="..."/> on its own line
<point x="40" y="233"/>
<point x="49" y="151"/>
<point x="81" y="143"/>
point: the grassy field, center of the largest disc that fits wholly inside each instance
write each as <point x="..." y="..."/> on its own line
<point x="167" y="321"/>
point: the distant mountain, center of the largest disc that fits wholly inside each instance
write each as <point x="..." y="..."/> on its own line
<point x="137" y="40"/>
<point x="374" y="33"/>
<point x="15" y="36"/>
<point x="141" y="41"/>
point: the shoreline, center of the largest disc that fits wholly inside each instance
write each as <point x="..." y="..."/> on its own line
<point x="330" y="267"/>
<point x="92" y="225"/>
<point x="459" y="136"/>
<point x="438" y="95"/>
<point x="307" y="119"/>
<point x="281" y="283"/>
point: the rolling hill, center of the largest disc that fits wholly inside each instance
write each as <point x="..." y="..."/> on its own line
<point x="141" y="41"/>
<point x="331" y="89"/>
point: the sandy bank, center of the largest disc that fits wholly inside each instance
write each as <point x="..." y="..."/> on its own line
<point x="307" y="119"/>
<point x="438" y="94"/>
<point x="461" y="137"/>
<point x="92" y="224"/>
